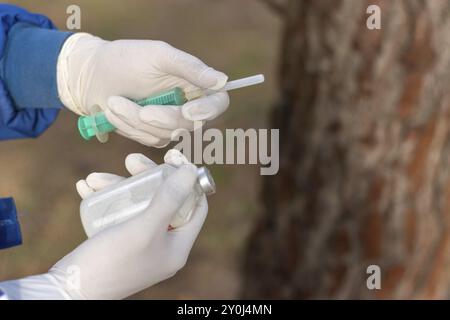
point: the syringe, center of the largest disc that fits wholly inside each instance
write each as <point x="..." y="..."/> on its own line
<point x="97" y="125"/>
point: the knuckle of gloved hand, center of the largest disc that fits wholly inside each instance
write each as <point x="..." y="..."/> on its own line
<point x="136" y="157"/>
<point x="177" y="263"/>
<point x="161" y="44"/>
<point x="163" y="142"/>
<point x="149" y="141"/>
<point x="162" y="49"/>
<point x="182" y="262"/>
<point x="225" y="99"/>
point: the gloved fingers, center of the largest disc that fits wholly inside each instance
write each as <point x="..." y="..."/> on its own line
<point x="100" y="180"/>
<point x="175" y="158"/>
<point x="83" y="189"/>
<point x="146" y="140"/>
<point x="164" y="117"/>
<point x="162" y="143"/>
<point x="128" y="111"/>
<point x="126" y="130"/>
<point x="170" y="196"/>
<point x="186" y="66"/>
<point x="94" y="182"/>
<point x="165" y="81"/>
<point x="159" y="121"/>
<point x="186" y="234"/>
<point x="206" y="108"/>
<point x="137" y="163"/>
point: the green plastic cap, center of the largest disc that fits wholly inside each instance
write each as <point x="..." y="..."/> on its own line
<point x="91" y="126"/>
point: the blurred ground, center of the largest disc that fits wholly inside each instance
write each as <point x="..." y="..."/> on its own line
<point x="238" y="37"/>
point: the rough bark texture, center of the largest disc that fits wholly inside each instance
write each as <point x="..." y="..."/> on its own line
<point x="365" y="155"/>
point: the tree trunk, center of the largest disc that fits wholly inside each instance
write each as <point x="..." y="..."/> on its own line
<point x="364" y="178"/>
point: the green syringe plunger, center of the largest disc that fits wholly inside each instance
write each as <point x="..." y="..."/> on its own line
<point x="96" y="124"/>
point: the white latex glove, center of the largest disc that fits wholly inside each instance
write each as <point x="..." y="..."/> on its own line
<point x="139" y="252"/>
<point x="135" y="163"/>
<point x="38" y="287"/>
<point x="128" y="257"/>
<point x="92" y="71"/>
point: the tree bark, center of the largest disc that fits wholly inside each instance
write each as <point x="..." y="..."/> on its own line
<point x="364" y="119"/>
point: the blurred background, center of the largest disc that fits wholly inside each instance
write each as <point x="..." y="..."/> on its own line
<point x="237" y="37"/>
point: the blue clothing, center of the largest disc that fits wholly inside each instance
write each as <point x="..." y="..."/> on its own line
<point x="9" y="225"/>
<point x="29" y="103"/>
<point x="29" y="49"/>
<point x="30" y="62"/>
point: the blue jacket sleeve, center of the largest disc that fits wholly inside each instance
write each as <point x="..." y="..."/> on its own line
<point x="10" y="234"/>
<point x="29" y="48"/>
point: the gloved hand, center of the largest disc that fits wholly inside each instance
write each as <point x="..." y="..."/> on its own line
<point x="130" y="256"/>
<point x="139" y="252"/>
<point x="92" y="71"/>
<point x="135" y="163"/>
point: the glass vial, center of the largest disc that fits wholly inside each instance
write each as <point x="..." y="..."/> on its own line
<point x="129" y="197"/>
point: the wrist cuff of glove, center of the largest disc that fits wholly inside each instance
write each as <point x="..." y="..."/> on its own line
<point x="73" y="59"/>
<point x="69" y="281"/>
